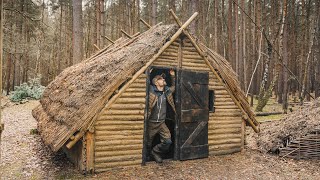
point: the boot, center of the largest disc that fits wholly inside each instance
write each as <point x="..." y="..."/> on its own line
<point x="156" y="157"/>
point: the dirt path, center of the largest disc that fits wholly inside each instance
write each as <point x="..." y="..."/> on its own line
<point x="25" y="157"/>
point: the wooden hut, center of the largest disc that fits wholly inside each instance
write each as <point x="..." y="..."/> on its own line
<point x="96" y="110"/>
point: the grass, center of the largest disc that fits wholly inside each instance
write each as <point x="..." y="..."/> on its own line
<point x="273" y="106"/>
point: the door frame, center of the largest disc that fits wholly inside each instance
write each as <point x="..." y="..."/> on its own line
<point x="145" y="132"/>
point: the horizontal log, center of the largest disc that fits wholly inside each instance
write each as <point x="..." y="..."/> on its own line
<point x="131" y="89"/>
<point x="226" y="107"/>
<point x="122" y="132"/>
<point x="165" y="64"/>
<point x="175" y="44"/>
<point x="226" y="114"/>
<point x="191" y="64"/>
<point x="119" y="137"/>
<point x="214" y="122"/>
<point x="224" y="136"/>
<point x="100" y="167"/>
<point x="137" y="85"/>
<point x="124" y="112"/>
<point x="226" y="110"/>
<point x="220" y="98"/>
<point x="215" y="152"/>
<point x="128" y="106"/>
<point x="223" y="126"/>
<point x="167" y="57"/>
<point x="130" y="100"/>
<point x="224" y="96"/>
<point x="217" y="87"/>
<point x="224" y="146"/>
<point x="118" y="153"/>
<point x="117" y="122"/>
<point x="187" y="56"/>
<point x="213" y="118"/>
<point x="194" y="61"/>
<point x="119" y="127"/>
<point x="224" y="131"/>
<point x="192" y="49"/>
<point x="223" y="91"/>
<point x="223" y="141"/>
<point x="171" y="54"/>
<point x="133" y="94"/>
<point x="223" y="103"/>
<point x="193" y="53"/>
<point x="162" y="60"/>
<point x="267" y="113"/>
<point x="140" y="80"/>
<point x="206" y="69"/>
<point x="118" y="142"/>
<point x="173" y="49"/>
<point x="121" y="117"/>
<point x="118" y="147"/>
<point x="117" y="158"/>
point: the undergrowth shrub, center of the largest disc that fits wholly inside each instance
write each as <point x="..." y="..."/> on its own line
<point x="31" y="90"/>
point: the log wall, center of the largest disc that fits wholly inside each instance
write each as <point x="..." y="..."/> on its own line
<point x="119" y="130"/>
<point x="226" y="127"/>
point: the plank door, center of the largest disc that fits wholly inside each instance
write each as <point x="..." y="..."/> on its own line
<point x="194" y="115"/>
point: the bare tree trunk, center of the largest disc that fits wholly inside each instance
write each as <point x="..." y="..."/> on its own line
<point x="77" y="31"/>
<point x="193" y="8"/>
<point x="8" y="74"/>
<point x="102" y="24"/>
<point x="230" y="47"/>
<point x="215" y="24"/>
<point x="285" y="58"/>
<point x="317" y="52"/>
<point x="154" y="12"/>
<point x="236" y="37"/>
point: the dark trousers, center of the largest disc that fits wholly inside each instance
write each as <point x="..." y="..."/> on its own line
<point x="165" y="137"/>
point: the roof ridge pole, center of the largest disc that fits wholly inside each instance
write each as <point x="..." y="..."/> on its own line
<point x="135" y="76"/>
<point x="125" y="33"/>
<point x="255" y="128"/>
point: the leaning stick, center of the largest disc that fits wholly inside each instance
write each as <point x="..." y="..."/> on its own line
<point x="145" y="23"/>
<point x="125" y="33"/>
<point x="108" y="39"/>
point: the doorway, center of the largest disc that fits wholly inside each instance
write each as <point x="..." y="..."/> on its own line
<point x="189" y="126"/>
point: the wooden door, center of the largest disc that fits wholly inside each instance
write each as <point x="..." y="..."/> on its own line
<point x="193" y="115"/>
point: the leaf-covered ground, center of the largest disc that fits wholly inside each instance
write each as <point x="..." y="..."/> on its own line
<point x="23" y="156"/>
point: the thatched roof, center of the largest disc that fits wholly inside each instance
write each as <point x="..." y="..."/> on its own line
<point x="229" y="78"/>
<point x="71" y="100"/>
<point x="75" y="94"/>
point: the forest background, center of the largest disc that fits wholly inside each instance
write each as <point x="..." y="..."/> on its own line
<point x="272" y="45"/>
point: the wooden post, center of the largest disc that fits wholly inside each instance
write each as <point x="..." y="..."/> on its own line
<point x="145" y="23"/>
<point x="90" y="151"/>
<point x="256" y="129"/>
<point x="125" y="33"/>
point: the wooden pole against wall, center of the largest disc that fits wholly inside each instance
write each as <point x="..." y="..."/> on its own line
<point x="145" y="23"/>
<point x="125" y="33"/>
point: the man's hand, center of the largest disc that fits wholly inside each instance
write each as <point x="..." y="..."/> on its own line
<point x="172" y="72"/>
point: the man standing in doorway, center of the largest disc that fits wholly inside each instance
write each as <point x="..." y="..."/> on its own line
<point x="159" y="95"/>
